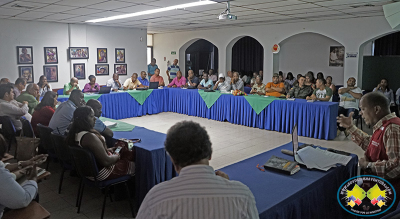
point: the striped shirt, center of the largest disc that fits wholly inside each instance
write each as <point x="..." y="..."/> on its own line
<point x="382" y="168"/>
<point x="198" y="193"/>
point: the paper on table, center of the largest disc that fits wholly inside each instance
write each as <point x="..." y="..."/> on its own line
<point x="110" y="124"/>
<point x="321" y="159"/>
<point x="340" y="158"/>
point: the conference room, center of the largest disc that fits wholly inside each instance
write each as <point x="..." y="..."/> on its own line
<point x="150" y="109"/>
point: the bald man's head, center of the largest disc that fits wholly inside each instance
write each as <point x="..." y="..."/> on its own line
<point x="96" y="106"/>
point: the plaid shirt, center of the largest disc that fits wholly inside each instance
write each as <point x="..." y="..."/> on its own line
<point x="382" y="168"/>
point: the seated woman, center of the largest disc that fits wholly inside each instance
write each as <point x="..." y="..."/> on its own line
<point x="82" y="133"/>
<point x="258" y="87"/>
<point x="92" y="86"/>
<point x="44" y="86"/>
<point x="310" y="80"/>
<point x="13" y="195"/>
<point x="329" y="84"/>
<point x="44" y="111"/>
<point x="290" y="79"/>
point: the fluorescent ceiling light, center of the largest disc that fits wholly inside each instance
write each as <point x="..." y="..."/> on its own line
<point x="181" y="6"/>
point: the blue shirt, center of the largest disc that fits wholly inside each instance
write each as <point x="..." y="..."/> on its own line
<point x="99" y="125"/>
<point x="173" y="69"/>
<point x="144" y="81"/>
<point x="151" y="68"/>
<point x="195" y="80"/>
<point x="205" y="84"/>
<point x="62" y="117"/>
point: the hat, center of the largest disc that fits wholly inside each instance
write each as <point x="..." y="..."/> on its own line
<point x="275" y="75"/>
<point x="221" y="75"/>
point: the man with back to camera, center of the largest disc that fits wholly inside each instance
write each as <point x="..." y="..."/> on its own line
<point x="99" y="125"/>
<point x="4" y="81"/>
<point x="198" y="191"/>
<point x="300" y="90"/>
<point x="382" y="149"/>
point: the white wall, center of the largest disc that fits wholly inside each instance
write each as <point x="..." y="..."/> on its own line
<point x="46" y="34"/>
<point x="309" y="52"/>
<point x="351" y="33"/>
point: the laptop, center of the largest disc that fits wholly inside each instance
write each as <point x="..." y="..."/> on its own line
<point x="142" y="88"/>
<point x="105" y="90"/>
<point x="153" y="85"/>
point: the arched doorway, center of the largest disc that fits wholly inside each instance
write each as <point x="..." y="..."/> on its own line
<point x="201" y="55"/>
<point x="309" y="51"/>
<point x="247" y="56"/>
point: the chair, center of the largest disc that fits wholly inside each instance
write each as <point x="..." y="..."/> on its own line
<point x="27" y="129"/>
<point x="63" y="154"/>
<point x="46" y="142"/>
<point x="86" y="166"/>
<point x="60" y="91"/>
<point x="8" y="130"/>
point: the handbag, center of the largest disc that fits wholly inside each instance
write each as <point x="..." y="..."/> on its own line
<point x="127" y="145"/>
<point x="26" y="147"/>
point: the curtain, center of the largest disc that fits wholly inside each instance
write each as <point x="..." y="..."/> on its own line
<point x="388" y="45"/>
<point x="247" y="55"/>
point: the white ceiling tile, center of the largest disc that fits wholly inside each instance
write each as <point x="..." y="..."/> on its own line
<point x="135" y="8"/>
<point x="138" y="1"/>
<point x="33" y="14"/>
<point x="79" y="3"/>
<point x="110" y="5"/>
<point x="56" y="8"/>
<point x="41" y="1"/>
<point x="85" y="11"/>
<point x="80" y="19"/>
<point x="10" y="12"/>
<point x="21" y="5"/>
<point x="59" y="16"/>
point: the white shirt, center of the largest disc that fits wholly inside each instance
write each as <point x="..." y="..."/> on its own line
<point x="111" y="83"/>
<point x="197" y="193"/>
<point x="397" y="96"/>
<point x="347" y="101"/>
<point x="42" y="91"/>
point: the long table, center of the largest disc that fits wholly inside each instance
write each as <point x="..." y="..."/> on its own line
<point x="315" y="120"/>
<point x="306" y="194"/>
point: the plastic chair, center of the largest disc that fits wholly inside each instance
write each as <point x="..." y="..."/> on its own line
<point x="46" y="142"/>
<point x="8" y="130"/>
<point x="27" y="129"/>
<point x="86" y="166"/>
<point x="60" y="91"/>
<point x="63" y="154"/>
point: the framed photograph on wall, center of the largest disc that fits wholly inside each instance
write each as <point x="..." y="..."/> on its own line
<point x="79" y="71"/>
<point x="78" y="52"/>
<point x="101" y="55"/>
<point x="119" y="55"/>
<point x="121" y="69"/>
<point x="26" y="72"/>
<point x="102" y="69"/>
<point x="336" y="56"/>
<point x="25" y="54"/>
<point x="51" y="72"/>
<point x="50" y="55"/>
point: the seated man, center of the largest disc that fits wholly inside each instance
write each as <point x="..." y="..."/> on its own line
<point x="178" y="81"/>
<point x="192" y="81"/>
<point x="222" y="85"/>
<point x="157" y="77"/>
<point x="258" y="87"/>
<point x="10" y="107"/>
<point x="132" y="82"/>
<point x="275" y="88"/>
<point x="197" y="185"/>
<point x="114" y="82"/>
<point x="64" y="113"/>
<point x="236" y="82"/>
<point x="300" y="90"/>
<point x="321" y="93"/>
<point x="229" y="76"/>
<point x="4" y="81"/>
<point x="19" y="86"/>
<point x="212" y="76"/>
<point x="349" y="99"/>
<point x="382" y="152"/>
<point x="143" y="79"/>
<point x="99" y="125"/>
<point x="206" y="83"/>
<point x="31" y="95"/>
<point x="72" y="85"/>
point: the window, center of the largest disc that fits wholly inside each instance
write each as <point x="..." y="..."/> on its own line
<point x="149" y="54"/>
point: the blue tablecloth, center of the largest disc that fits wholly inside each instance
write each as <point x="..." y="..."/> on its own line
<point x="153" y="165"/>
<point x="306" y="194"/>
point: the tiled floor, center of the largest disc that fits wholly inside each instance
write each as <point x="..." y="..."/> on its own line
<point x="231" y="143"/>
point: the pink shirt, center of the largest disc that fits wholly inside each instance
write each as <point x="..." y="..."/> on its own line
<point x="88" y="88"/>
<point x="177" y="82"/>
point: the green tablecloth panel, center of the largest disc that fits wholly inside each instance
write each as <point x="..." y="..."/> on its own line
<point x="86" y="96"/>
<point x="140" y="95"/>
<point x="210" y="97"/>
<point x="121" y="126"/>
<point x="258" y="103"/>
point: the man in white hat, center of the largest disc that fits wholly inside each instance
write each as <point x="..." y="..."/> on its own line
<point x="221" y="84"/>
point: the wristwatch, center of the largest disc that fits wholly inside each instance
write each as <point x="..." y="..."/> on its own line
<point x="20" y="165"/>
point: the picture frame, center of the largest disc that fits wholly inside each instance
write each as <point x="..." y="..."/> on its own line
<point x="102" y="55"/>
<point x="27" y="73"/>
<point x="51" y="72"/>
<point x="79" y="71"/>
<point x="336" y="56"/>
<point x="25" y="54"/>
<point x="120" y="55"/>
<point x="78" y="52"/>
<point x="50" y="55"/>
<point x="102" y="69"/>
<point x="121" y="69"/>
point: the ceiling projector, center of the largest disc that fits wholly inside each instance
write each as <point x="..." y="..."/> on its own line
<point x="226" y="15"/>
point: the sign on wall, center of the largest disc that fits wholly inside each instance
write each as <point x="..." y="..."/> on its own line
<point x="173" y="52"/>
<point x="351" y="54"/>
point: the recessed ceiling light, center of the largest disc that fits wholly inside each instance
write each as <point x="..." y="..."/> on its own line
<point x="181" y="6"/>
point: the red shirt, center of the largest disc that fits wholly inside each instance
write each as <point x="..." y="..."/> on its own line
<point x="158" y="79"/>
<point x="43" y="117"/>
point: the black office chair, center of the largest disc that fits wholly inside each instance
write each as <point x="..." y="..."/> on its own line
<point x="86" y="166"/>
<point x="27" y="129"/>
<point x="8" y="131"/>
<point x="63" y="154"/>
<point x="46" y="142"/>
